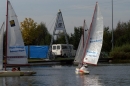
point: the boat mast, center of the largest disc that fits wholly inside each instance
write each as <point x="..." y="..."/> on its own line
<point x="6" y="36"/>
<point x="112" y="25"/>
<point x="83" y="33"/>
<point x="81" y="62"/>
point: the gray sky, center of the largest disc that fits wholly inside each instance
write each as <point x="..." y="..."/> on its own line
<point x="73" y="11"/>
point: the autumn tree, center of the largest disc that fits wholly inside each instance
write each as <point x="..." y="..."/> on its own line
<point x="28" y="28"/>
<point x="35" y="34"/>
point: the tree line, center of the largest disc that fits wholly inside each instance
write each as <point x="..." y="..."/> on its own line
<point x="38" y="34"/>
<point x="34" y="34"/>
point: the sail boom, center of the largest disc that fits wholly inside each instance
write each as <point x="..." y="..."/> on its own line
<point x="17" y="65"/>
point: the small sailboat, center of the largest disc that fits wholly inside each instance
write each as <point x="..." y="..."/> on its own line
<point x="15" y="54"/>
<point x="94" y="38"/>
<point x="81" y="49"/>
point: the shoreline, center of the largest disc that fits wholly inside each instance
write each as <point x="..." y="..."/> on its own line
<point x="65" y="61"/>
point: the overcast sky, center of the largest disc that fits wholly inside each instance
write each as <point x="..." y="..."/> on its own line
<point x="73" y="11"/>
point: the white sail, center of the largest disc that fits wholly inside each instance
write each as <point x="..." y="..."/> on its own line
<point x="16" y="53"/>
<point x="81" y="47"/>
<point x="1" y="45"/>
<point x="59" y="22"/>
<point x="95" y="38"/>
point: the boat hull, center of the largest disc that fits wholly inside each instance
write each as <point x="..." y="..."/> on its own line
<point x="77" y="71"/>
<point x="16" y="73"/>
<point x="86" y="72"/>
<point x="27" y="73"/>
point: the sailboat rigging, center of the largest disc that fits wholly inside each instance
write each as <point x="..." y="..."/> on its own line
<point x="82" y="45"/>
<point x="1" y="45"/>
<point x="94" y="42"/>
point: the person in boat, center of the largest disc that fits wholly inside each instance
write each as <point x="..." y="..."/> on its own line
<point x="84" y="68"/>
<point x="14" y="69"/>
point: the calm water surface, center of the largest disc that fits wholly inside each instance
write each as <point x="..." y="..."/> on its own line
<point x="101" y="75"/>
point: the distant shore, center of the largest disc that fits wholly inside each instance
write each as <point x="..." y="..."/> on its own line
<point x="65" y="61"/>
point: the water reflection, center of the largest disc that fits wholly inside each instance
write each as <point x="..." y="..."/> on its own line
<point x="1" y="81"/>
<point x="10" y="81"/>
<point x="102" y="75"/>
<point x="89" y="80"/>
<point x="18" y="81"/>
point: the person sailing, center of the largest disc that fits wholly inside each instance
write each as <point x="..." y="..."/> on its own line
<point x="83" y="68"/>
<point x="16" y="69"/>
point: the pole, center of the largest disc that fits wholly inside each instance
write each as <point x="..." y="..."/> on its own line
<point x="6" y="36"/>
<point x="112" y="25"/>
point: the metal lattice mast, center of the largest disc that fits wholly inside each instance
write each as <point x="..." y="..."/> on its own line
<point x="59" y="25"/>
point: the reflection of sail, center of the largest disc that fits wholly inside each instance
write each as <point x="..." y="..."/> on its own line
<point x="10" y="81"/>
<point x="90" y="80"/>
<point x="1" y="81"/>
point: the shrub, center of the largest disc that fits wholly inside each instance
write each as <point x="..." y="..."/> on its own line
<point x="121" y="53"/>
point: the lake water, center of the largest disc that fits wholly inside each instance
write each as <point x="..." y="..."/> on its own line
<point x="101" y="75"/>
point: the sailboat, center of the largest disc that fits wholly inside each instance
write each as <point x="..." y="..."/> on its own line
<point x="93" y="46"/>
<point x="81" y="48"/>
<point x="15" y="50"/>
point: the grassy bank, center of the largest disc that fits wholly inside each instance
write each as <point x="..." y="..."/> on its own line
<point x="121" y="54"/>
